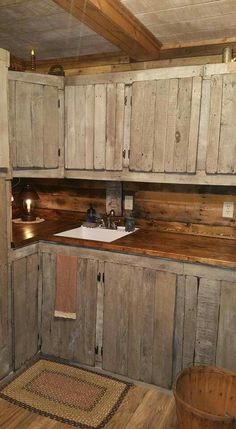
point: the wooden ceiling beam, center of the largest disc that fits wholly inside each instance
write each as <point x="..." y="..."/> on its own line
<point x="115" y="23"/>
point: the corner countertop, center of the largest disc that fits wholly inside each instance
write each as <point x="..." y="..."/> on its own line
<point x="218" y="252"/>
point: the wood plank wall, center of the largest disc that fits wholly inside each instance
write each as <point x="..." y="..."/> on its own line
<point x="185" y="208"/>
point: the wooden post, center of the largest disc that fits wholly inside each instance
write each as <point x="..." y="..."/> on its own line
<point x="4" y="144"/>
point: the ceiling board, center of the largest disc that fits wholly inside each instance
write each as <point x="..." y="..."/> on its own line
<point x="186" y="21"/>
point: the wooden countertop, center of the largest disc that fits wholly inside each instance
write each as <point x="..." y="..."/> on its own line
<point x="181" y="247"/>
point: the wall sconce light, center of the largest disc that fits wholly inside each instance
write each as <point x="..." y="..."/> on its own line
<point x="33" y="60"/>
<point x="28" y="196"/>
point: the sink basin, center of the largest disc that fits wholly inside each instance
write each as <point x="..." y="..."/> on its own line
<point x="96" y="234"/>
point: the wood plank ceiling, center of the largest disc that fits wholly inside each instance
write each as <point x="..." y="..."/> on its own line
<point x="141" y="29"/>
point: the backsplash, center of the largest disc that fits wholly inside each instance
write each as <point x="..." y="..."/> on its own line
<point x="184" y="208"/>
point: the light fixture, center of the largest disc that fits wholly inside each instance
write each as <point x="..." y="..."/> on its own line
<point x="28" y="196"/>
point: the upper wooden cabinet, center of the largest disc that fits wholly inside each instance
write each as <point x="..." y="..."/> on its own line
<point x="36" y="123"/>
<point x="94" y="126"/>
<point x="164" y="125"/>
<point x="221" y="130"/>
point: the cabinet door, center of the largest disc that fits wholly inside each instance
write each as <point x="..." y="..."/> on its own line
<point x="139" y="308"/>
<point x="34" y="125"/>
<point x="67" y="338"/>
<point x="94" y="126"/>
<point x="164" y="125"/>
<point x="221" y="136"/>
<point x="25" y="309"/>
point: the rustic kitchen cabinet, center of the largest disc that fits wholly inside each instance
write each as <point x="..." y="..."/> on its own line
<point x="36" y="124"/>
<point x="4" y="152"/>
<point x="66" y="338"/>
<point x="221" y="128"/>
<point x="164" y="125"/>
<point x="94" y="126"/>
<point x="5" y="301"/>
<point x="26" y="305"/>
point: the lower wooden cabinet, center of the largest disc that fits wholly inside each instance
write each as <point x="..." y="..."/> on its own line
<point x="25" y="274"/>
<point x="66" y="338"/>
<point x="139" y="318"/>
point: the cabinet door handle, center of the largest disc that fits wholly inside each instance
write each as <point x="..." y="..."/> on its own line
<point x="124" y="153"/>
<point x="99" y="277"/>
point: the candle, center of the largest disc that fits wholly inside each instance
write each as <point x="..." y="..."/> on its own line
<point x="33" y="63"/>
<point x="28" y="205"/>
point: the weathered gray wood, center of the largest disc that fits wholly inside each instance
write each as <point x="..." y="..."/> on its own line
<point x="114" y="197"/>
<point x="50" y="127"/>
<point x="115" y="126"/>
<point x="190" y="320"/>
<point x="194" y="124"/>
<point x="99" y="316"/>
<point x="182" y="125"/>
<point x="171" y="125"/>
<point x="12" y="120"/>
<point x="226" y="344"/>
<point x="24" y="155"/>
<point x="89" y="128"/>
<point x="135" y="321"/>
<point x="70" y="138"/>
<point x="39" y="124"/>
<point x="147" y="328"/>
<point x="5" y="358"/>
<point x="179" y="326"/>
<point x="164" y="321"/>
<point x="214" y="125"/>
<point x="25" y="298"/>
<point x="207" y="321"/>
<point x="4" y="152"/>
<point x="142" y="126"/>
<point x="115" y="331"/>
<point x="227" y="144"/>
<point x="161" y="115"/>
<point x="100" y="127"/>
<point x="127" y="125"/>
<point x="70" y="339"/>
<point x="36" y="78"/>
<point x="203" y="125"/>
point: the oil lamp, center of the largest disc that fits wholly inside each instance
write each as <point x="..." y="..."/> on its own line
<point x="28" y="196"/>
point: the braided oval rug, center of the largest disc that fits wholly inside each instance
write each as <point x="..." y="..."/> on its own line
<point x="68" y="394"/>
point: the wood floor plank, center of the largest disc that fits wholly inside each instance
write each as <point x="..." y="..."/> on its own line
<point x="143" y="408"/>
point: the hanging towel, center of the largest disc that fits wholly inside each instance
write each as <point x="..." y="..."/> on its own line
<point x="66" y="274"/>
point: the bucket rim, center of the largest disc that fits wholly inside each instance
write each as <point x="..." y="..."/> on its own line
<point x="197" y="411"/>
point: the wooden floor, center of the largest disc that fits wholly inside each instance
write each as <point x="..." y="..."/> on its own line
<point x="142" y="409"/>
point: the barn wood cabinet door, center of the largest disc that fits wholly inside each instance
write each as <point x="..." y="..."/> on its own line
<point x="66" y="338"/>
<point x="36" y="123"/>
<point x="94" y="126"/>
<point x="138" y="323"/>
<point x="5" y="301"/>
<point x="164" y="125"/>
<point x="25" y="277"/>
<point x="221" y="130"/>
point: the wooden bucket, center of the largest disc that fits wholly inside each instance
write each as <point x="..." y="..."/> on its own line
<point x="205" y="398"/>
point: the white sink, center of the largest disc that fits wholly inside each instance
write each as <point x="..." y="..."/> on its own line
<point x="96" y="234"/>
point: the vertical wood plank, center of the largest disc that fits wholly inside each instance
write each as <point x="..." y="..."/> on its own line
<point x="12" y="120"/>
<point x="120" y="100"/>
<point x="135" y="322"/>
<point x="89" y="127"/>
<point x="51" y="127"/>
<point x="100" y="127"/>
<point x="142" y="125"/>
<point x="24" y="155"/>
<point x="99" y="316"/>
<point x="227" y="144"/>
<point x="182" y="125"/>
<point x="115" y="332"/>
<point x="111" y="126"/>
<point x="31" y="308"/>
<point x="70" y="140"/>
<point x="171" y="125"/>
<point x="5" y="357"/>
<point x="147" y="329"/>
<point x="214" y="125"/>
<point x="164" y="317"/>
<point x="207" y="321"/>
<point x="4" y="153"/>
<point x="37" y="118"/>
<point x="226" y="345"/>
<point x="161" y="115"/>
<point x="190" y="320"/>
<point x="127" y="125"/>
<point x="19" y="277"/>
<point x="179" y="326"/>
<point x="80" y="121"/>
<point x="194" y="124"/>
<point x="204" y="125"/>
